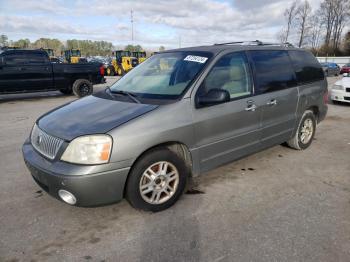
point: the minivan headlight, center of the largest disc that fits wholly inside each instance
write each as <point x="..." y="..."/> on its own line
<point x="338" y="87"/>
<point x="88" y="150"/>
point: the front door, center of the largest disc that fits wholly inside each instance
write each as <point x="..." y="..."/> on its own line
<point x="230" y="130"/>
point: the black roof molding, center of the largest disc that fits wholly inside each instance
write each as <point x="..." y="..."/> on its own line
<point x="257" y="42"/>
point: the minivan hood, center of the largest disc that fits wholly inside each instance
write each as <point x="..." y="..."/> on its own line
<point x="90" y="115"/>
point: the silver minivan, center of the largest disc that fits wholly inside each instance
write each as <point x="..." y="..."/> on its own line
<point x="178" y="114"/>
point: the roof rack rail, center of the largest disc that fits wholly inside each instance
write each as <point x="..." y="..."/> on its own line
<point x="257" y="42"/>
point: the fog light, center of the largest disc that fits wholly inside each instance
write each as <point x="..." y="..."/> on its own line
<point x="67" y="197"/>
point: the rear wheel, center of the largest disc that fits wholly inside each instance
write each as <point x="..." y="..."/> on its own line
<point x="305" y="133"/>
<point x="82" y="87"/>
<point x="157" y="180"/>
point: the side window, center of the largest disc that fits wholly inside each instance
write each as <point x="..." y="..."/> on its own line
<point x="14" y="59"/>
<point x="273" y="70"/>
<point x="36" y="58"/>
<point x="307" y="68"/>
<point x="230" y="73"/>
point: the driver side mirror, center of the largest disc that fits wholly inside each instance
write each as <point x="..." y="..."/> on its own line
<point x="346" y="74"/>
<point x="213" y="97"/>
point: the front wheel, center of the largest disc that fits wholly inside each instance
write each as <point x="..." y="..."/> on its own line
<point x="305" y="133"/>
<point x="157" y="180"/>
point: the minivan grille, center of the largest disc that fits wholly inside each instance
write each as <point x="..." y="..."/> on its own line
<point x="44" y="143"/>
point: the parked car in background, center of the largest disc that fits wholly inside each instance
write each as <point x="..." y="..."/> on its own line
<point x="23" y="70"/>
<point x="341" y="90"/>
<point x="330" y="69"/>
<point x="345" y="69"/>
<point x="180" y="113"/>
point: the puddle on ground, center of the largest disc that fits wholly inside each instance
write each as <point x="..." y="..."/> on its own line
<point x="249" y="168"/>
<point x="39" y="193"/>
<point x="193" y="191"/>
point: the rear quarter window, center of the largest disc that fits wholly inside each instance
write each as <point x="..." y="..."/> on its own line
<point x="307" y="68"/>
<point x="273" y="70"/>
<point x="37" y="58"/>
<point x="14" y="59"/>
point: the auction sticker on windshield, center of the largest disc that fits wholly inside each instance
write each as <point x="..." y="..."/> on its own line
<point x="194" y="58"/>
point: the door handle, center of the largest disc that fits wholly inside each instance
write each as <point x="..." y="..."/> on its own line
<point x="251" y="107"/>
<point x="272" y="102"/>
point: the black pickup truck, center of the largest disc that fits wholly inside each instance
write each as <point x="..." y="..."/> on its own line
<point x="31" y="71"/>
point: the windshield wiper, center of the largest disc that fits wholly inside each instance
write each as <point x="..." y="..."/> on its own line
<point x="125" y="93"/>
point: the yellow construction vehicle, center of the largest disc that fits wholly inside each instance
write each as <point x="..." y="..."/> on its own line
<point x="122" y="63"/>
<point x="72" y="56"/>
<point x="140" y="55"/>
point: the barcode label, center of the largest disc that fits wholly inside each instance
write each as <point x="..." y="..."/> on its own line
<point x="197" y="59"/>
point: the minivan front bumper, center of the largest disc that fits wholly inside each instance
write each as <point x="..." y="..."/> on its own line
<point x="97" y="188"/>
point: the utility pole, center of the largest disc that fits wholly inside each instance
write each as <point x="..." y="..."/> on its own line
<point x="132" y="27"/>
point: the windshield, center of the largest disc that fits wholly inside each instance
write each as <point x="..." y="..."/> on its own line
<point x="164" y="75"/>
<point x="347" y="65"/>
<point x="75" y="52"/>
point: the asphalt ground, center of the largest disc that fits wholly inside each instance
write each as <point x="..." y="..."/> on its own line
<point x="276" y="205"/>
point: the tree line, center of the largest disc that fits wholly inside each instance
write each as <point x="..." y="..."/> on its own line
<point x="320" y="30"/>
<point x="87" y="47"/>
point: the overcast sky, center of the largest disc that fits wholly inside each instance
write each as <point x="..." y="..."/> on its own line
<point x="155" y="22"/>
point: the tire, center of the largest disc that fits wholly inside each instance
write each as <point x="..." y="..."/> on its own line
<point x="158" y="183"/>
<point x="110" y="71"/>
<point x="307" y="121"/>
<point x="82" y="87"/>
<point x="66" y="91"/>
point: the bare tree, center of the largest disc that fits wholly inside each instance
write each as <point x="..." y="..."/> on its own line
<point x="302" y="18"/>
<point x="341" y="13"/>
<point x="289" y="14"/>
<point x="335" y="14"/>
<point x="3" y="40"/>
<point x="327" y="14"/>
<point x="316" y="30"/>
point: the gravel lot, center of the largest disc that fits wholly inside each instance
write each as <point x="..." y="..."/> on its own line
<point x="276" y="205"/>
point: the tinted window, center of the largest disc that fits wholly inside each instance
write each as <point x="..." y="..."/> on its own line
<point x="306" y="67"/>
<point x="273" y="71"/>
<point x="36" y="58"/>
<point x="15" y="59"/>
<point x="230" y="73"/>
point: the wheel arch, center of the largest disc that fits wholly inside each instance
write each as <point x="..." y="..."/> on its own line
<point x="177" y="147"/>
<point x="315" y="110"/>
